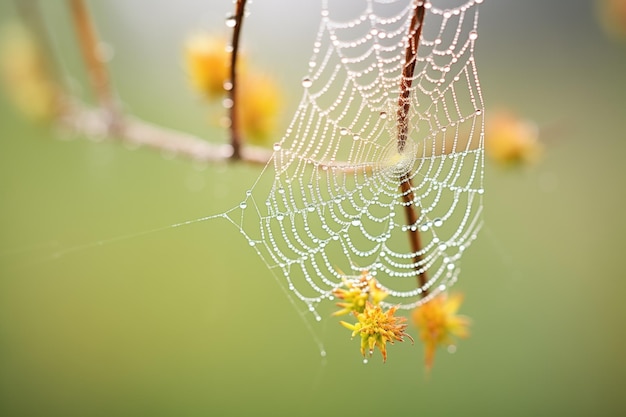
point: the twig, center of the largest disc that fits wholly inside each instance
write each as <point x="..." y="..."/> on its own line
<point x="404" y="103"/>
<point x="136" y="132"/>
<point x="91" y="52"/>
<point x="235" y="135"/>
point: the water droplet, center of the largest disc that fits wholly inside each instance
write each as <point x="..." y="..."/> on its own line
<point x="228" y="85"/>
<point x="452" y="348"/>
<point x="243" y="205"/>
<point x="312" y="64"/>
<point x="356" y="137"/>
<point x="280" y="217"/>
<point x="450" y="267"/>
<point x="277" y="146"/>
<point x="481" y="191"/>
<point x="438" y="222"/>
<point x="473" y="35"/>
<point x="383" y="114"/>
<point x="252" y="243"/>
<point x="227" y="103"/>
<point x="356" y="222"/>
<point x="281" y="190"/>
<point x="365" y="361"/>
<point x="311" y="207"/>
<point x="323" y="353"/>
<point x="231" y="21"/>
<point x="343" y="131"/>
<point x="249" y="193"/>
<point x="306" y="82"/>
<point x="443" y="246"/>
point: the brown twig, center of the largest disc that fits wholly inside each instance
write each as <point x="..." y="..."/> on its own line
<point x="404" y="104"/>
<point x="91" y="52"/>
<point x="235" y="134"/>
<point x="93" y="123"/>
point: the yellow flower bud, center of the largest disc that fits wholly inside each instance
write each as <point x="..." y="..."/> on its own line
<point x="208" y="63"/>
<point x="260" y="100"/>
<point x="612" y="16"/>
<point x="25" y="76"/>
<point x="510" y="140"/>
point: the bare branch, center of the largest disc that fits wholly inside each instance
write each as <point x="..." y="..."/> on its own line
<point x="91" y="51"/>
<point x="136" y="132"/>
<point x="235" y="134"/>
<point x="404" y="103"/>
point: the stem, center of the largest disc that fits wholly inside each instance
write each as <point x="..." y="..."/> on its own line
<point x="78" y="119"/>
<point x="404" y="103"/>
<point x="235" y="135"/>
<point x="410" y="58"/>
<point x="90" y="49"/>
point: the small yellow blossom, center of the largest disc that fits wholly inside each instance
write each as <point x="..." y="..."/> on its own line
<point x="357" y="294"/>
<point x="376" y="328"/>
<point x="25" y="75"/>
<point x="512" y="141"/>
<point x="438" y="322"/>
<point x="208" y="63"/>
<point x="260" y="101"/>
<point x="612" y="16"/>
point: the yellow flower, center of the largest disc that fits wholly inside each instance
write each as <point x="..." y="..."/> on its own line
<point x="208" y="63"/>
<point x="260" y="101"/>
<point x="377" y="328"/>
<point x="438" y="322"/>
<point x="512" y="141"/>
<point x="612" y="16"/>
<point x="358" y="293"/>
<point x="25" y="74"/>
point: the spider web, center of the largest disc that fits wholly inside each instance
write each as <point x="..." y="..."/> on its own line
<point x="335" y="207"/>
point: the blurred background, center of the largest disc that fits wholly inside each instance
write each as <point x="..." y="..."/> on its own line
<point x="188" y="321"/>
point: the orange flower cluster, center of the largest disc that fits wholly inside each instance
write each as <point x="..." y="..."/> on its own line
<point x="436" y="319"/>
<point x="437" y="322"/>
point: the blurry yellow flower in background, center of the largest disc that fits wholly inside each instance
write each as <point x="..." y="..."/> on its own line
<point x="376" y="328"/>
<point x="260" y="100"/>
<point x="612" y="16"/>
<point x="510" y="140"/>
<point x="438" y="322"/>
<point x="25" y="76"/>
<point x="208" y="63"/>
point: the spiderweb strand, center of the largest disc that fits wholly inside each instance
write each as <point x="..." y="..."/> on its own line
<point x="334" y="203"/>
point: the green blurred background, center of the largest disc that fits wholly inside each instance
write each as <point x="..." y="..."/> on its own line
<point x="188" y="321"/>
